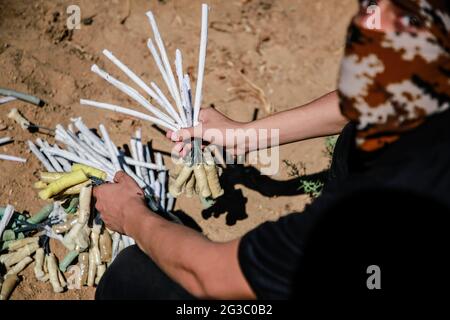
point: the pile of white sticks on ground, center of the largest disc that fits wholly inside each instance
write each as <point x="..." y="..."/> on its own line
<point x="167" y="116"/>
<point x="9" y="157"/>
<point x="85" y="147"/>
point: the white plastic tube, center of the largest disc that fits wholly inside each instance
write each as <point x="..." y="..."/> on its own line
<point x="41" y="157"/>
<point x="162" y="180"/>
<point x="148" y="159"/>
<point x="129" y="112"/>
<point x="88" y="134"/>
<point x="132" y="93"/>
<point x="5" y="140"/>
<point x="188" y="98"/>
<point x="201" y="62"/>
<point x="167" y="67"/>
<point x="64" y="163"/>
<point x="111" y="149"/>
<point x="141" y="84"/>
<point x="151" y="166"/>
<point x="167" y="105"/>
<point x="11" y="158"/>
<point x="7" y="215"/>
<point x="55" y="164"/>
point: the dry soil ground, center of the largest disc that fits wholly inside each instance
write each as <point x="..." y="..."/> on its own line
<point x="289" y="48"/>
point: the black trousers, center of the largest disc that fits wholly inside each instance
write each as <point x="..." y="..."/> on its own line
<point x="134" y="276"/>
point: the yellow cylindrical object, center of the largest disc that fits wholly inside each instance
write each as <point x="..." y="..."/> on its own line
<point x="52" y="267"/>
<point x="76" y="189"/>
<point x="39" y="264"/>
<point x="83" y="260"/>
<point x="8" y="286"/>
<point x="105" y="243"/>
<point x="213" y="181"/>
<point x="190" y="186"/>
<point x="17" y="244"/>
<point x="40" y="185"/>
<point x="91" y="270"/>
<point x="176" y="186"/>
<point x="48" y="177"/>
<point x="100" y="271"/>
<point x="202" y="180"/>
<point x="63" y="183"/>
<point x="89" y="171"/>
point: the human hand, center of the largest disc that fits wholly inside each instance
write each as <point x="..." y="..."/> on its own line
<point x="118" y="202"/>
<point x="213" y="129"/>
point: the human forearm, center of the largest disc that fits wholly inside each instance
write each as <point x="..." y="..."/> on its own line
<point x="204" y="268"/>
<point x="319" y="118"/>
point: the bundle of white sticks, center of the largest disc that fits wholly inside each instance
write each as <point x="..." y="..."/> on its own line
<point x="85" y="147"/>
<point x="200" y="172"/>
<point x="186" y="112"/>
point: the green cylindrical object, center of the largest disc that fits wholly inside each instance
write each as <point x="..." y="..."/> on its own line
<point x="6" y="244"/>
<point x="68" y="259"/>
<point x="21" y="96"/>
<point x="73" y="205"/>
<point x="8" y="234"/>
<point x="42" y="214"/>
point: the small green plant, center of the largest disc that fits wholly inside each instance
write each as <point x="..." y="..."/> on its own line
<point x="330" y="144"/>
<point x="313" y="188"/>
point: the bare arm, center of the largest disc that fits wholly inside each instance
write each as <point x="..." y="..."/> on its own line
<point x="204" y="268"/>
<point x="319" y="118"/>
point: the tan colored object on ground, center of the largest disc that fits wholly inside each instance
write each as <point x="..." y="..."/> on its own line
<point x="8" y="286"/>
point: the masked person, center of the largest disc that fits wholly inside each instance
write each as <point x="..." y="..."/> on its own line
<point x="382" y="207"/>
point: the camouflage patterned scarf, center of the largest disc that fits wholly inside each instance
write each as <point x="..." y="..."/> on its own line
<point x="390" y="82"/>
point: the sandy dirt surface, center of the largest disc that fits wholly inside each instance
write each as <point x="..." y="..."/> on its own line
<point x="289" y="48"/>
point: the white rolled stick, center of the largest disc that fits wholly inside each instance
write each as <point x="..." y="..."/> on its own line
<point x="136" y="142"/>
<point x="140" y="155"/>
<point x="64" y="163"/>
<point x="141" y="183"/>
<point x="184" y="99"/>
<point x="50" y="157"/>
<point x="188" y="98"/>
<point x="129" y="112"/>
<point x="133" y="152"/>
<point x="162" y="180"/>
<point x="132" y="93"/>
<point x="140" y="83"/>
<point x="5" y="140"/>
<point x="170" y="202"/>
<point x="164" y="75"/>
<point x="111" y="149"/>
<point x="7" y="215"/>
<point x="12" y="158"/>
<point x="167" y="66"/>
<point x="201" y="63"/>
<point x="167" y="105"/>
<point x="71" y="146"/>
<point x="160" y="66"/>
<point x="41" y="157"/>
<point x="74" y="158"/>
<point x="67" y="138"/>
<point x="95" y="156"/>
<point x="7" y="99"/>
<point x="148" y="159"/>
<point x="150" y="166"/>
<point x="88" y="134"/>
<point x="87" y="151"/>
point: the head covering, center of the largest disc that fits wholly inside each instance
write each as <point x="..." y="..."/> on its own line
<point x="391" y="82"/>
